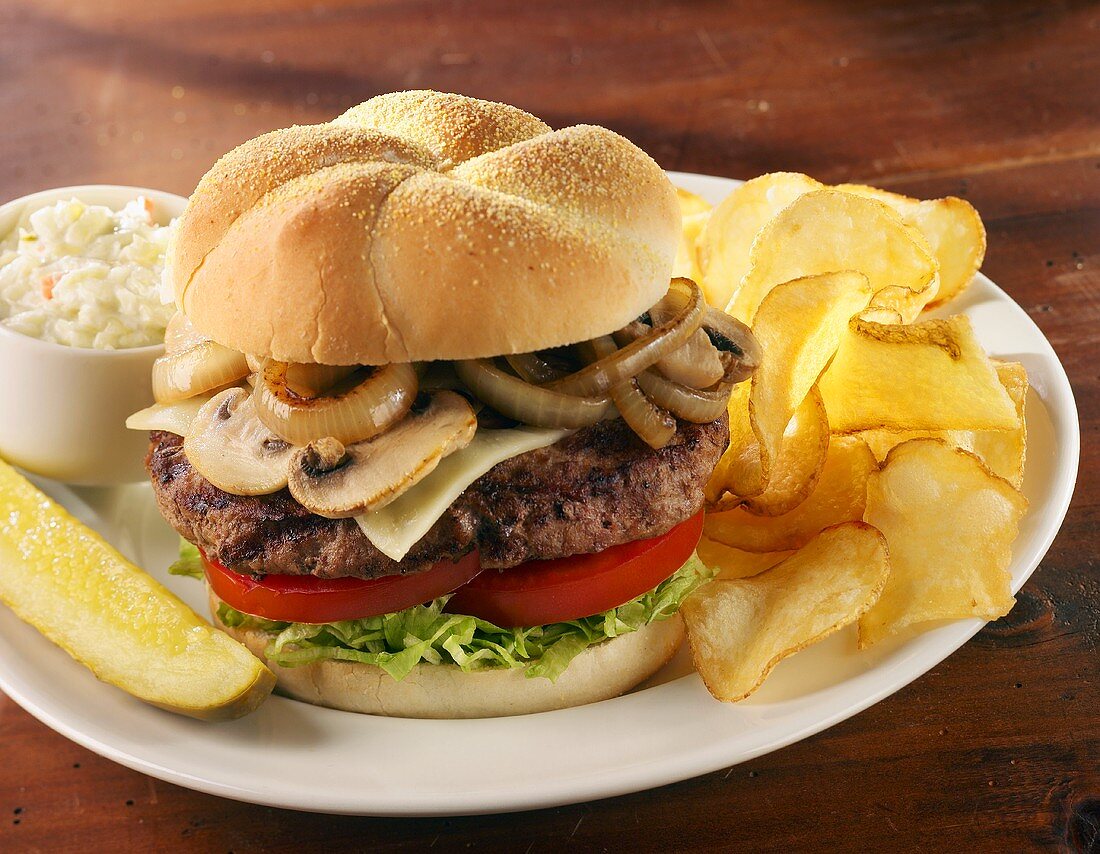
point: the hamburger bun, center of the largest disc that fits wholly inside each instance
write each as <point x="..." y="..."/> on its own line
<point x="605" y="670"/>
<point x="421" y="226"/>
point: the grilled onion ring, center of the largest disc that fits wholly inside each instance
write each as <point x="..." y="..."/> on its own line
<point x="364" y="405"/>
<point x="530" y="404"/>
<point x="623" y="364"/>
<point x="533" y="368"/>
<point x="200" y="368"/>
<point x="700" y="406"/>
<point x="316" y="380"/>
<point x="689" y="365"/>
<point x="653" y="425"/>
<point x="180" y="334"/>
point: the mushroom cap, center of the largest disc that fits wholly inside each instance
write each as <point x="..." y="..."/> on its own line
<point x="332" y="480"/>
<point x="229" y="445"/>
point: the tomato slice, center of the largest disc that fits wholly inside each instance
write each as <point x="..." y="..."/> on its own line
<point x="553" y="591"/>
<point x="307" y="599"/>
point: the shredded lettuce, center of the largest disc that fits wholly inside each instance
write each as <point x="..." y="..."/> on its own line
<point x="189" y="562"/>
<point x="398" y="642"/>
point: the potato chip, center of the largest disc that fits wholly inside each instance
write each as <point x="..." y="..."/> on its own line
<point x="794" y="472"/>
<point x="949" y="523"/>
<point x="738" y="471"/>
<point x="882" y="442"/>
<point x="739" y="630"/>
<point x="799" y="326"/>
<point x="825" y="231"/>
<point x="691" y="203"/>
<point x="952" y="227"/>
<point x="1003" y="451"/>
<point x="737" y="480"/>
<point x="694" y="212"/>
<point x="931" y="375"/>
<point x="840" y="496"/>
<point x="725" y="242"/>
<point x="736" y="563"/>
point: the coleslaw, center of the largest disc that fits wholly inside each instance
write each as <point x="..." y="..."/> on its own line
<point x="86" y="276"/>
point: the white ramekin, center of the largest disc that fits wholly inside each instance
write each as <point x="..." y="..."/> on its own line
<point x="63" y="409"/>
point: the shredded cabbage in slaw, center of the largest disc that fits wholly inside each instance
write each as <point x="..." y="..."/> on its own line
<point x="86" y="276"/>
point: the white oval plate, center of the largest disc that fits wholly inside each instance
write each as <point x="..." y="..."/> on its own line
<point x="290" y="754"/>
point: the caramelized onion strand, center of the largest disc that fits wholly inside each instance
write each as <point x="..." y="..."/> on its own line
<point x="200" y="368"/>
<point x="653" y="425"/>
<point x="530" y="404"/>
<point x="604" y="374"/>
<point x="361" y="406"/>
<point x="533" y="368"/>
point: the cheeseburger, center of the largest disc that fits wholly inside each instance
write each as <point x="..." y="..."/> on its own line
<point x="433" y="419"/>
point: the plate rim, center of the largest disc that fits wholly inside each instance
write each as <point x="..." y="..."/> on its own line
<point x="625" y="778"/>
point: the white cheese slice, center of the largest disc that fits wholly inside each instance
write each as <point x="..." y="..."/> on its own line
<point x="173" y="417"/>
<point x="397" y="527"/>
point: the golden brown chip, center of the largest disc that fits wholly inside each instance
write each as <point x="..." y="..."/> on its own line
<point x="739" y="630"/>
<point x="931" y="375"/>
<point x="949" y="523"/>
<point x="799" y="326"/>
<point x="1003" y="451"/>
<point x="881" y="442"/>
<point x="952" y="227"/>
<point x="727" y="238"/>
<point x="738" y="472"/>
<point x="840" y="496"/>
<point x="825" y="231"/>
<point x="735" y="563"/>
<point x="694" y="212"/>
<point x="794" y="472"/>
<point x="691" y="203"/>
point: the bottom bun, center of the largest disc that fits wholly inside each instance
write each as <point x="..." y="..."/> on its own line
<point x="605" y="670"/>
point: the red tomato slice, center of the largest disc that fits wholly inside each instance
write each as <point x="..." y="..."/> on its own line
<point x="307" y="599"/>
<point x="553" y="591"/>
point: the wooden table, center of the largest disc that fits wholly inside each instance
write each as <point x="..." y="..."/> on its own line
<point x="998" y="748"/>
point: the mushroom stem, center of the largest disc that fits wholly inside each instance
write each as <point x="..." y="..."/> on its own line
<point x="324" y="455"/>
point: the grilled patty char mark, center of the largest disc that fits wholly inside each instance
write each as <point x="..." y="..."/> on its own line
<point x="596" y="488"/>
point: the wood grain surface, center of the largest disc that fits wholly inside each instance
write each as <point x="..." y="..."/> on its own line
<point x="996" y="749"/>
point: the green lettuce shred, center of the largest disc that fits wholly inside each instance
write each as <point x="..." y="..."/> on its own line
<point x="189" y="562"/>
<point x="425" y="633"/>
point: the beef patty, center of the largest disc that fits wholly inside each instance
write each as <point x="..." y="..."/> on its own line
<point x="596" y="488"/>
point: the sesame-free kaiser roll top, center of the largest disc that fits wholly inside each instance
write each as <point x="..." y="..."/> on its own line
<point x="421" y="226"/>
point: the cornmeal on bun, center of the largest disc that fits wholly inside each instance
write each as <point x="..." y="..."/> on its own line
<point x="433" y="419"/>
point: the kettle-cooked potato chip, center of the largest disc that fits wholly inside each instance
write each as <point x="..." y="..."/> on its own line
<point x="736" y="563"/>
<point x="832" y="281"/>
<point x="952" y="227"/>
<point x="725" y="242"/>
<point x="1003" y="451"/>
<point x="825" y="231"/>
<point x="798" y="464"/>
<point x="694" y="212"/>
<point x="949" y="523"/>
<point x="739" y="630"/>
<point x="931" y="375"/>
<point x="840" y="496"/>
<point x="738" y="472"/>
<point x="799" y="327"/>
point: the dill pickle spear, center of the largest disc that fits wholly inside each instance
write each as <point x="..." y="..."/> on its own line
<point x="61" y="577"/>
